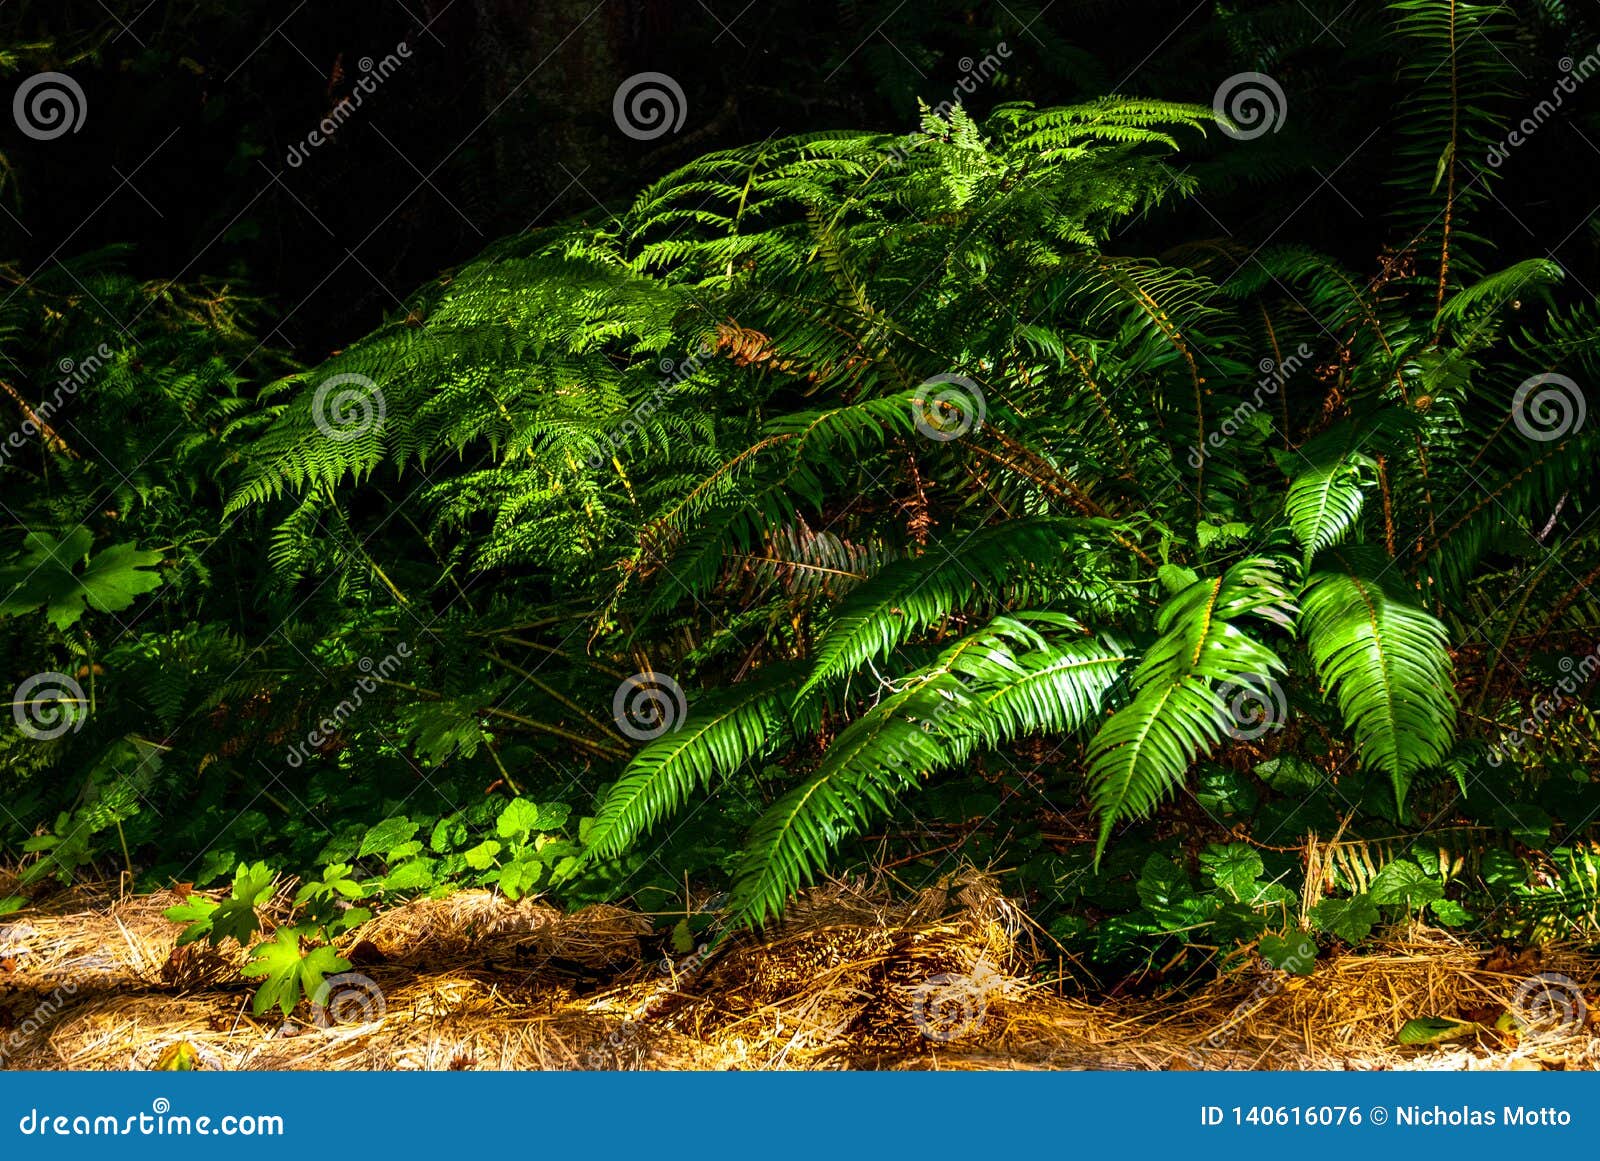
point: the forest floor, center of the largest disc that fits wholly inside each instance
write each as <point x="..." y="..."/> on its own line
<point x="474" y="981"/>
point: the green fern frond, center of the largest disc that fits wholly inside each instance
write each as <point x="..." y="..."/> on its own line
<point x="1386" y="662"/>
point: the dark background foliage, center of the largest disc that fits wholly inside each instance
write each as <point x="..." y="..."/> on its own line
<point x="501" y="120"/>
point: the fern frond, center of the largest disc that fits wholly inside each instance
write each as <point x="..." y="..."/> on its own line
<point x="1386" y="662"/>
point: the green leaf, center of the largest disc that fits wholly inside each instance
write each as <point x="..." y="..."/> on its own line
<point x="1225" y="793"/>
<point x="1350" y="919"/>
<point x="1295" y="953"/>
<point x="518" y="820"/>
<point x="196" y="912"/>
<point x="908" y="595"/>
<point x="116" y="576"/>
<point x="286" y="972"/>
<point x="46" y="576"/>
<point x="448" y="833"/>
<point x="1289" y="774"/>
<point x="1325" y="501"/>
<point x="481" y="857"/>
<point x="234" y="917"/>
<point x="1450" y="913"/>
<point x="415" y="875"/>
<point x="1503" y="871"/>
<point x="1141" y="753"/>
<point x="1175" y="578"/>
<point x="522" y="875"/>
<point x="714" y="741"/>
<point x="1434" y="1030"/>
<point x="387" y="835"/>
<point x="1403" y="883"/>
<point x="1167" y="894"/>
<point x="1234" y="868"/>
<point x="552" y="816"/>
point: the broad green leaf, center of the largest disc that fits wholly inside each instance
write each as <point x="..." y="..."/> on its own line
<point x="287" y="972"/>
<point x="1167" y="894"/>
<point x="448" y="833"/>
<point x="1295" y="953"/>
<point x="234" y="917"/>
<point x="1350" y="919"/>
<point x="196" y="912"/>
<point x="1402" y="883"/>
<point x="416" y="875"/>
<point x="1450" y="913"/>
<point x="519" y="819"/>
<point x="1234" y="868"/>
<point x="47" y="576"/>
<point x="1434" y="1030"/>
<point x="552" y="816"/>
<point x="387" y="835"/>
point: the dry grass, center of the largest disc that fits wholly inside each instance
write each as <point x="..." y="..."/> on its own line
<point x="849" y="981"/>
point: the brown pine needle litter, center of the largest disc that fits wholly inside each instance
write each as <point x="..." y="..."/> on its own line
<point x="850" y="980"/>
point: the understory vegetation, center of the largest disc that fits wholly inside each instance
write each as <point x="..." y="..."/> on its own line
<point x="850" y="500"/>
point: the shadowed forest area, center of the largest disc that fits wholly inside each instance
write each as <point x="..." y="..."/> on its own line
<point x="633" y="534"/>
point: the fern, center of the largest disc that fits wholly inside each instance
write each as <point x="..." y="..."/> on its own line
<point x="1385" y="662"/>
